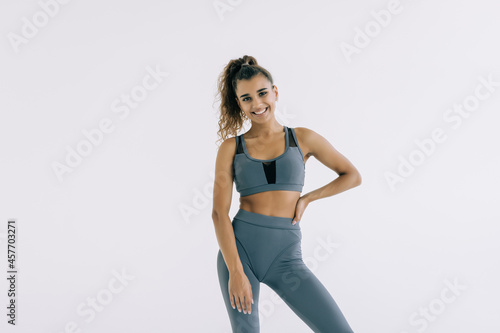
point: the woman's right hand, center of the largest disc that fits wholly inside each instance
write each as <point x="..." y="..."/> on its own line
<point x="240" y="292"/>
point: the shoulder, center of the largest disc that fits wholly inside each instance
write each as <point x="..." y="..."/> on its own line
<point x="304" y="134"/>
<point x="228" y="143"/>
<point x="309" y="139"/>
<point x="228" y="147"/>
<point x="307" y="133"/>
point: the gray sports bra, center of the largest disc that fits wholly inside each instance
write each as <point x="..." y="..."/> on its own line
<point x="285" y="172"/>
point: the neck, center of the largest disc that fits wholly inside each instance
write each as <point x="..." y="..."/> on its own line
<point x="266" y="129"/>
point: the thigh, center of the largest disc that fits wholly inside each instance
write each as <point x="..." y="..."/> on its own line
<point x="240" y="322"/>
<point x="304" y="293"/>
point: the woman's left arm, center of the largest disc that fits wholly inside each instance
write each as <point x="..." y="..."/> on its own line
<point x="348" y="176"/>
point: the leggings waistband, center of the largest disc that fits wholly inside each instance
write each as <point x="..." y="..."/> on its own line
<point x="267" y="221"/>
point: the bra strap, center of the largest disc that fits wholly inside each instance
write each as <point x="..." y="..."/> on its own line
<point x="291" y="137"/>
<point x="239" y="148"/>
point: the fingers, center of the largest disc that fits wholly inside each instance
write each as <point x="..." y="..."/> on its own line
<point x="248" y="303"/>
<point x="296" y="218"/>
<point x="242" y="303"/>
<point x="232" y="300"/>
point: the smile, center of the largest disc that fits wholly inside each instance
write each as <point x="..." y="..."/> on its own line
<point x="261" y="112"/>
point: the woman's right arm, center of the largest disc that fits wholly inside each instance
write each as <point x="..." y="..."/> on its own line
<point x="239" y="285"/>
<point x="223" y="190"/>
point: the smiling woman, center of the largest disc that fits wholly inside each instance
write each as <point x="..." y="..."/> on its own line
<point x="263" y="241"/>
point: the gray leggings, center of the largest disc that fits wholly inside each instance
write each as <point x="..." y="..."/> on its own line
<point x="269" y="248"/>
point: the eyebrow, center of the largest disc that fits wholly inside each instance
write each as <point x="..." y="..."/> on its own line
<point x="249" y="94"/>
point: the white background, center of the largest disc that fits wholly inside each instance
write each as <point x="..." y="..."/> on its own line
<point x="121" y="208"/>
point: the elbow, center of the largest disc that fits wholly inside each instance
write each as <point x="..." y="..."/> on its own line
<point x="353" y="178"/>
<point x="217" y="214"/>
<point x="357" y="179"/>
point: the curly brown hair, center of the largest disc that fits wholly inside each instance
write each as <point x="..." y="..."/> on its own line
<point x="231" y="116"/>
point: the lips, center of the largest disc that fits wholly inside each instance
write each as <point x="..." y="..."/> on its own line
<point x="262" y="112"/>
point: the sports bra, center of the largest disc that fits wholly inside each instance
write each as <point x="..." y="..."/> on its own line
<point x="285" y="172"/>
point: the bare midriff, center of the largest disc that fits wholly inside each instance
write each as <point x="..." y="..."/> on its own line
<point x="272" y="203"/>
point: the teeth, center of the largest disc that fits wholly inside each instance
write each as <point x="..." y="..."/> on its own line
<point x="261" y="111"/>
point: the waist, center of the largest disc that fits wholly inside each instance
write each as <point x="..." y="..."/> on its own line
<point x="271" y="203"/>
<point x="267" y="221"/>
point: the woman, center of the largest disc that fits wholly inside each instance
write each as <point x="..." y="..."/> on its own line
<point x="263" y="242"/>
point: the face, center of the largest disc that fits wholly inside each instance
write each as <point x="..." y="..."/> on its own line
<point x="257" y="98"/>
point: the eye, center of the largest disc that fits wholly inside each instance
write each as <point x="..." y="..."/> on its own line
<point x="263" y="93"/>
